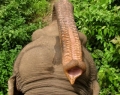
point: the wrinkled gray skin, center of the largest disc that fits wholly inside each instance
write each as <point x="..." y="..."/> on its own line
<point x="38" y="68"/>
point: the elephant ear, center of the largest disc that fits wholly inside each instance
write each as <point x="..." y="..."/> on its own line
<point x="95" y="87"/>
<point x="12" y="90"/>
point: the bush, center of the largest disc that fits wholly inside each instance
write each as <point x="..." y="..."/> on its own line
<point x="6" y="65"/>
<point x="18" y="20"/>
<point x="100" y="21"/>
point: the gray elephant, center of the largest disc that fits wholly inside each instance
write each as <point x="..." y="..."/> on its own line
<point x="56" y="62"/>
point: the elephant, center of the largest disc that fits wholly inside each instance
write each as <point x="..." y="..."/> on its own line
<point x="56" y="62"/>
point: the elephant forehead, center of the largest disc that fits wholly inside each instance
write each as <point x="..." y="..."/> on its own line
<point x="35" y="61"/>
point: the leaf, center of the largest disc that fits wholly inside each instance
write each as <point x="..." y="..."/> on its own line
<point x="114" y="41"/>
<point x="99" y="37"/>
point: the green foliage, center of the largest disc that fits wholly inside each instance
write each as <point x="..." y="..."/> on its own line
<point x="6" y="64"/>
<point x="116" y="41"/>
<point x="100" y="21"/>
<point x="18" y="20"/>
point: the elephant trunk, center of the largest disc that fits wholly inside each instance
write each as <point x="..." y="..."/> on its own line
<point x="72" y="58"/>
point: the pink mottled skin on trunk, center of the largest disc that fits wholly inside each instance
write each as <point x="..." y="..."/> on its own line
<point x="71" y="44"/>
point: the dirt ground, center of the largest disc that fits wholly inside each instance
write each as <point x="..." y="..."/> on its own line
<point x="48" y="18"/>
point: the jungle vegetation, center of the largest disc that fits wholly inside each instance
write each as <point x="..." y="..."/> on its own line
<point x="99" y="20"/>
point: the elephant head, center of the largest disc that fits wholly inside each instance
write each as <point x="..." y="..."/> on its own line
<point x="56" y="62"/>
